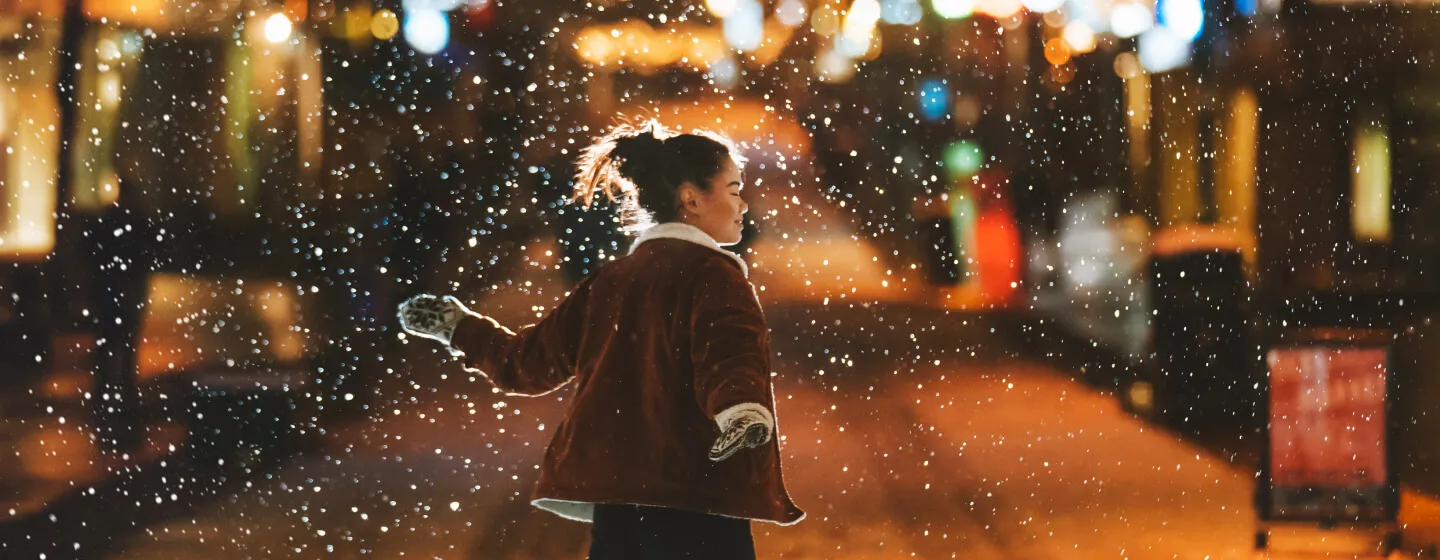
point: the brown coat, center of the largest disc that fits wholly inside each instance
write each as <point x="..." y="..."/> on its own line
<point x="659" y="343"/>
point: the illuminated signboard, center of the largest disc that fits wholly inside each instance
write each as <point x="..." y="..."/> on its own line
<point x="1328" y="436"/>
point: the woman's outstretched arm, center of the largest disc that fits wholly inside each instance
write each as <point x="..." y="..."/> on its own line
<point x="533" y="360"/>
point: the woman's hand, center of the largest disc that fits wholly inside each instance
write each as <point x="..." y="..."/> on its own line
<point x="741" y="427"/>
<point x="431" y="317"/>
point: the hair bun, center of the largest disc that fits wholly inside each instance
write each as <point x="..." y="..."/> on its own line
<point x="642" y="157"/>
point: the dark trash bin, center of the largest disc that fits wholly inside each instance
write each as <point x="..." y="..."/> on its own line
<point x="241" y="420"/>
<point x="1203" y="368"/>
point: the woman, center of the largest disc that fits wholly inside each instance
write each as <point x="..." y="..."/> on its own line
<point x="669" y="446"/>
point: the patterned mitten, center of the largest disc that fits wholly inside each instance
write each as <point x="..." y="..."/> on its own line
<point x="431" y="317"/>
<point x="741" y="426"/>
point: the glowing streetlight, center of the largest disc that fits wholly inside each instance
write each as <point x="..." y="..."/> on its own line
<point x="427" y="31"/>
<point x="858" y="28"/>
<point x="1079" y="37"/>
<point x="277" y="28"/>
<point x="1129" y="20"/>
<point x="1185" y="17"/>
<point x="1163" y="49"/>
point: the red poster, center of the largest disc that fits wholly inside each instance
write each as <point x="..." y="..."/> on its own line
<point x="1327" y="417"/>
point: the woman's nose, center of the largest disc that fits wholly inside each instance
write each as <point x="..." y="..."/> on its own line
<point x="744" y="207"/>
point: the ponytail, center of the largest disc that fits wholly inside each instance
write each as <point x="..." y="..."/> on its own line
<point x="640" y="166"/>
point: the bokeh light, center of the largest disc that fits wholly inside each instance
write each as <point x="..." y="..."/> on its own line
<point x="277" y="28"/>
<point x="1079" y="37"/>
<point x="1129" y="20"/>
<point x="1161" y="49"/>
<point x="1185" y="17"/>
<point x="953" y="9"/>
<point x="384" y="24"/>
<point x="427" y="31"/>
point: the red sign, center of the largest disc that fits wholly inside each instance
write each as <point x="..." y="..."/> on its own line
<point x="1327" y="417"/>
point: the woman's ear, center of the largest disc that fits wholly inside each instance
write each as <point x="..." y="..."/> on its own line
<point x="687" y="195"/>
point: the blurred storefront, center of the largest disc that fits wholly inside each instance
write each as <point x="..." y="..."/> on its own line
<point x="1266" y="166"/>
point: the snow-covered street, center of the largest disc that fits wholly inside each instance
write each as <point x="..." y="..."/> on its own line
<point x="989" y="455"/>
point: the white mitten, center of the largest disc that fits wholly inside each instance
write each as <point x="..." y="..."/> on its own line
<point x="742" y="426"/>
<point x="431" y="317"/>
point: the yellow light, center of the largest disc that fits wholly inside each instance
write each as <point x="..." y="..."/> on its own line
<point x="593" y="45"/>
<point x="1127" y="65"/>
<point x="721" y="8"/>
<point x="109" y="89"/>
<point x="108" y="50"/>
<point x="999" y="9"/>
<point x="825" y="21"/>
<point x="1370" y="183"/>
<point x="859" y="25"/>
<point x="862" y="17"/>
<point x="660" y="49"/>
<point x="277" y="28"/>
<point x="1079" y="37"/>
<point x="1142" y="397"/>
<point x="834" y="67"/>
<point x="384" y="24"/>
<point x="1042" y="6"/>
<point x="634" y="36"/>
<point x="706" y="51"/>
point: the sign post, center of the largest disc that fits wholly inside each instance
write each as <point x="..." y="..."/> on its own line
<point x="1330" y="455"/>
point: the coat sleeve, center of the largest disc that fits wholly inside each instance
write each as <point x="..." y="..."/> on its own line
<point x="730" y="343"/>
<point x="532" y="361"/>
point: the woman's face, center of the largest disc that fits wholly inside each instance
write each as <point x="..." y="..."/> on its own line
<point x="718" y="211"/>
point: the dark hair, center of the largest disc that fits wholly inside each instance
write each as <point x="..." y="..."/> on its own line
<point x="641" y="165"/>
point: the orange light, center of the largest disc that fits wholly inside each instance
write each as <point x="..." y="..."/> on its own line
<point x="1062" y="74"/>
<point x="999" y="9"/>
<point x="1057" y="52"/>
<point x="707" y="50"/>
<point x="660" y="49"/>
<point x="384" y="25"/>
<point x="297" y="10"/>
<point x="777" y="36"/>
<point x="594" y="46"/>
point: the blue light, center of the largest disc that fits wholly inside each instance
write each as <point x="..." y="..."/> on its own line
<point x="934" y="99"/>
<point x="901" y="12"/>
<point x="744" y="28"/>
<point x="1162" y="49"/>
<point x="1185" y="17"/>
<point x="1247" y="8"/>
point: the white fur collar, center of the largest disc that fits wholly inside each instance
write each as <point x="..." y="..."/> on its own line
<point x="686" y="232"/>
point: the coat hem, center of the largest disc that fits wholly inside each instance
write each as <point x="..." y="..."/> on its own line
<point x="584" y="511"/>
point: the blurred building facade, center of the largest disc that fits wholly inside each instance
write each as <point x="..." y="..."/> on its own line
<point x="307" y="164"/>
